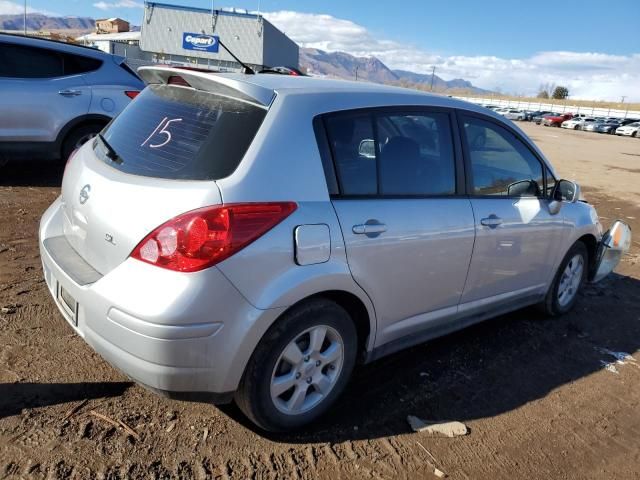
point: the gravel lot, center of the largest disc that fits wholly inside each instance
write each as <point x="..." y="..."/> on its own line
<point x="543" y="398"/>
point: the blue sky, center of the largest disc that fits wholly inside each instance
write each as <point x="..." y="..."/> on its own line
<point x="465" y="27"/>
<point x="594" y="46"/>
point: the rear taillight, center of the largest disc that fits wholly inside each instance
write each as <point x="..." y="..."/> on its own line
<point x="201" y="238"/>
<point x="132" y="93"/>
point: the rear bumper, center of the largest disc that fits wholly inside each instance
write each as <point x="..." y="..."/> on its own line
<point x="615" y="243"/>
<point x="169" y="331"/>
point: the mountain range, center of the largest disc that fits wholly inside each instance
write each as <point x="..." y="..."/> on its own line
<point x="37" y="21"/>
<point x="314" y="61"/>
<point x="346" y="66"/>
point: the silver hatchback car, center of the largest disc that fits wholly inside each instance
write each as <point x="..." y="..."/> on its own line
<point x="253" y="237"/>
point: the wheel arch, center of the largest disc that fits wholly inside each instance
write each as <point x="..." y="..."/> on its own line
<point x="356" y="309"/>
<point x="590" y="241"/>
<point x="89" y="119"/>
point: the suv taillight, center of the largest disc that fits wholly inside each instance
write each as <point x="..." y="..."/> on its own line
<point x="132" y="93"/>
<point x="202" y="238"/>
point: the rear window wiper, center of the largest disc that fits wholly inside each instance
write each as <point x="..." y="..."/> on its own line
<point x="111" y="153"/>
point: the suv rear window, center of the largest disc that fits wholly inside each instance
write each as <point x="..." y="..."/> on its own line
<point x="20" y="61"/>
<point x="180" y="133"/>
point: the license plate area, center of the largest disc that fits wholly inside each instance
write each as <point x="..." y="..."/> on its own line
<point x="69" y="304"/>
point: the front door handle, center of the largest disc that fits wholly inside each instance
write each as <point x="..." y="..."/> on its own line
<point x="369" y="229"/>
<point x="69" y="93"/>
<point x="492" y="221"/>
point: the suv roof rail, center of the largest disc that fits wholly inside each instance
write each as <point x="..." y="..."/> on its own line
<point x="52" y="40"/>
<point x="210" y="81"/>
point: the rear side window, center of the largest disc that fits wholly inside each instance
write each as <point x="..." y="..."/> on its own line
<point x="393" y="154"/>
<point x="18" y="61"/>
<point x="180" y="133"/>
<point x="501" y="163"/>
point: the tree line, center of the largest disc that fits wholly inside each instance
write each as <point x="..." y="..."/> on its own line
<point x="551" y="90"/>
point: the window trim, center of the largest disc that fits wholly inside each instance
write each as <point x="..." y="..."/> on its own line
<point x="372" y="113"/>
<point x="460" y="114"/>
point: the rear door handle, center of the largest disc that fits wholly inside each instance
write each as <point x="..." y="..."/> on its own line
<point x="369" y="228"/>
<point x="492" y="221"/>
<point x="70" y="93"/>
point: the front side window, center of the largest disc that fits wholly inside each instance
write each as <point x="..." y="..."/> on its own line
<point x="501" y="163"/>
<point x="393" y="154"/>
<point x="416" y="154"/>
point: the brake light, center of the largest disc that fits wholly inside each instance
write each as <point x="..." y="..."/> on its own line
<point x="177" y="80"/>
<point x="132" y="93"/>
<point x="202" y="238"/>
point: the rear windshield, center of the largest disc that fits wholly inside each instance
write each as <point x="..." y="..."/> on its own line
<point x="180" y="133"/>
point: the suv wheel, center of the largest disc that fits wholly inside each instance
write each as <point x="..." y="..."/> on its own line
<point x="300" y="367"/>
<point x="78" y="137"/>
<point x="569" y="279"/>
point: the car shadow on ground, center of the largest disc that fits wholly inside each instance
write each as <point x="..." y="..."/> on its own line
<point x="483" y="371"/>
<point x="32" y="173"/>
<point x="16" y="396"/>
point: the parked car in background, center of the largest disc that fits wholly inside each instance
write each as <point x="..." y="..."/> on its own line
<point x="555" y="120"/>
<point x="630" y="130"/>
<point x="577" y="123"/>
<point x="54" y="95"/>
<point x="531" y="116"/>
<point x="225" y="259"/>
<point x="514" y="114"/>
<point x="538" y="118"/>
<point x="600" y="126"/>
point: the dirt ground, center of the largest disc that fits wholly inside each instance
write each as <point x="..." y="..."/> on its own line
<point x="543" y="398"/>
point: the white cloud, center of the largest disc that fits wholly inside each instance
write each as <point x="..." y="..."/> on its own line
<point x="118" y="4"/>
<point x="590" y="75"/>
<point x="14" y="8"/>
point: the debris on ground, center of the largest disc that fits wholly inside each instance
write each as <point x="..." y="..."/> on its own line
<point x="9" y="309"/>
<point x="442" y="429"/>
<point x="74" y="410"/>
<point x="621" y="358"/>
<point x="436" y="471"/>
<point x="116" y="423"/>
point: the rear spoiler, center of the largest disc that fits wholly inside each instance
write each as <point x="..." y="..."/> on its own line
<point x="211" y="82"/>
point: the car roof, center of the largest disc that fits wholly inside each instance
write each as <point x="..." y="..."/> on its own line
<point x="263" y="87"/>
<point x="65" y="47"/>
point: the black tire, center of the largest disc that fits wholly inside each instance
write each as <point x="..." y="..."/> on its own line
<point x="577" y="127"/>
<point x="551" y="305"/>
<point x="634" y="134"/>
<point x="253" y="396"/>
<point x="75" y="136"/>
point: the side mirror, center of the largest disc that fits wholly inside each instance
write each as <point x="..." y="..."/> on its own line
<point x="522" y="188"/>
<point x="564" y="191"/>
<point x="367" y="148"/>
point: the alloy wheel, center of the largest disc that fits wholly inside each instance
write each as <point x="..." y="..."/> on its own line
<point x="307" y="370"/>
<point x="570" y="280"/>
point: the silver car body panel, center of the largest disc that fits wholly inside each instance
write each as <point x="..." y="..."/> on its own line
<point x="419" y="277"/>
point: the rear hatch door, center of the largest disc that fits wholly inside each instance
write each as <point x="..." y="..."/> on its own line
<point x="158" y="159"/>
